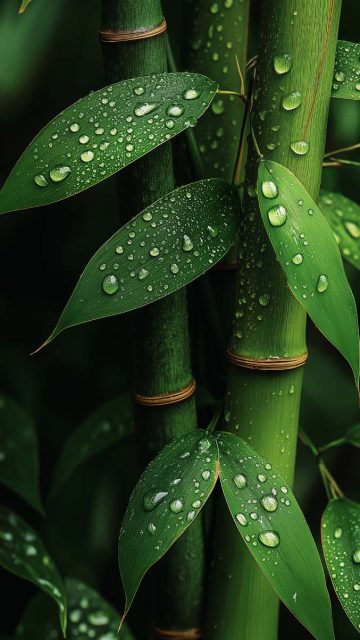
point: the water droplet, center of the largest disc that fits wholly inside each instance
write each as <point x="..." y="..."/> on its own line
<point x="147" y="216"/>
<point x="277" y="215"/>
<point x="291" y="101"/>
<point x="204" y="445"/>
<point x="340" y="76"/>
<point x="174" y="268"/>
<point x="74" y="127"/>
<point x="153" y="498"/>
<point x="190" y="516"/>
<point x="240" y="480"/>
<point x="218" y="107"/>
<point x="98" y="618"/>
<point x="282" y="63"/>
<point x="262" y="477"/>
<point x="338" y="533"/>
<point x="75" y="615"/>
<point x="151" y="527"/>
<point x="269" y="503"/>
<point x="191" y="94"/>
<point x="269" y="189"/>
<point x="142" y="274"/>
<point x="175" y="111"/>
<point x="87" y="156"/>
<point x="356" y="587"/>
<point x="169" y="124"/>
<point x="297" y="258"/>
<point x="356" y="556"/>
<point x="214" y="8"/>
<point x="154" y="251"/>
<point x="241" y="518"/>
<point x="206" y="474"/>
<point x="177" y="505"/>
<point x="59" y="173"/>
<point x="213" y="231"/>
<point x="196" y="504"/>
<point x="187" y="244"/>
<point x="264" y="300"/>
<point x="139" y="91"/>
<point x="269" y="538"/>
<point x="99" y="131"/>
<point x="40" y="180"/>
<point x="300" y="148"/>
<point x="84" y="139"/>
<point x="353" y="229"/>
<point x="110" y="284"/>
<point x="322" y="283"/>
<point x="119" y="249"/>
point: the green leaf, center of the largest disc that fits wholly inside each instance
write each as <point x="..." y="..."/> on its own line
<point x="19" y="468"/>
<point x="346" y="81"/>
<point x="307" y="251"/>
<point x="110" y="423"/>
<point x="23" y="553"/>
<point x="340" y="533"/>
<point x="102" y="133"/>
<point x="276" y="533"/>
<point x="343" y="216"/>
<point x="162" y="249"/>
<point x="352" y="435"/>
<point x="90" y="616"/>
<point x="24" y="5"/>
<point x="168" y="497"/>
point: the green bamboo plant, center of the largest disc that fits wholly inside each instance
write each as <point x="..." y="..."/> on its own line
<point x="219" y="562"/>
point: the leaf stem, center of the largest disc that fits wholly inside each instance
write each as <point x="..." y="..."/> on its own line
<point x="330" y="445"/>
<point x="342" y="150"/>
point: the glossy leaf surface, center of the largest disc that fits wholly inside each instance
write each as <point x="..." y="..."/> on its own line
<point x="19" y="467"/>
<point x="90" y="616"/>
<point x="276" y="533"/>
<point x="308" y="253"/>
<point x="23" y="553"/>
<point x="340" y="532"/>
<point x="168" y="497"/>
<point x="343" y="216"/>
<point x="103" y="133"/>
<point x="162" y="249"/>
<point x="110" y="423"/>
<point x="346" y="82"/>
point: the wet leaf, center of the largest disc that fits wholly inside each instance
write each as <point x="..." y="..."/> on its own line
<point x="276" y="533"/>
<point x="168" y="497"/>
<point x="23" y="553"/>
<point x="102" y="133"/>
<point x="340" y="533"/>
<point x="24" y="5"/>
<point x="110" y="423"/>
<point x="346" y="81"/>
<point x="90" y="616"/>
<point x="352" y="435"/>
<point x="19" y="466"/>
<point x="343" y="216"/>
<point x="307" y="251"/>
<point x="162" y="249"/>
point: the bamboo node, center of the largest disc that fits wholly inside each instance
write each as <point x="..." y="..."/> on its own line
<point x="166" y="398"/>
<point x="267" y="364"/>
<point x="189" y="634"/>
<point x="138" y="34"/>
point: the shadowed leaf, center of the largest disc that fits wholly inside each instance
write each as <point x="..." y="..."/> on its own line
<point x="103" y="133"/>
<point x="169" y="495"/>
<point x="90" y="616"/>
<point x="307" y="251"/>
<point x="23" y="553"/>
<point x="162" y="249"/>
<point x="19" y="466"/>
<point x="352" y="435"/>
<point x="343" y="216"/>
<point x="276" y="533"/>
<point x="111" y="422"/>
<point x="346" y="81"/>
<point x="340" y="533"/>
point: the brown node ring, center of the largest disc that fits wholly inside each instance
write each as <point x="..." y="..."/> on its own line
<point x="267" y="364"/>
<point x="190" y="634"/>
<point x="166" y="398"/>
<point x="127" y="36"/>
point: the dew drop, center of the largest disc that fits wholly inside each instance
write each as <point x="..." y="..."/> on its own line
<point x="139" y="91"/>
<point x="191" y="94"/>
<point x="300" y="147"/>
<point x="175" y="111"/>
<point x="147" y="216"/>
<point x="59" y="173"/>
<point x="269" y="503"/>
<point x="269" y="538"/>
<point x="87" y="156"/>
<point x="297" y="258"/>
<point x="119" y="249"/>
<point x="174" y="268"/>
<point x="74" y="127"/>
<point x="356" y="556"/>
<point x="204" y="445"/>
<point x="154" y="252"/>
<point x="241" y="518"/>
<point x="153" y="498"/>
<point x="291" y="101"/>
<point x="196" y="504"/>
<point x="277" y="215"/>
<point x="353" y="229"/>
<point x="338" y="533"/>
<point x="177" y="505"/>
<point x="110" y="284"/>
<point x="269" y="189"/>
<point x="169" y="124"/>
<point x="98" y="618"/>
<point x="143" y="273"/>
<point x="190" y="516"/>
<point x="262" y="477"/>
<point x="151" y="528"/>
<point x="205" y="474"/>
<point x="84" y="139"/>
<point x="40" y="180"/>
<point x="322" y="283"/>
<point x="187" y="244"/>
<point x="213" y="231"/>
<point x="282" y="64"/>
<point x="240" y="480"/>
<point x="264" y="299"/>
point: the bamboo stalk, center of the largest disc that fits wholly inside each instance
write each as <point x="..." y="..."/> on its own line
<point x="263" y="407"/>
<point x="161" y="342"/>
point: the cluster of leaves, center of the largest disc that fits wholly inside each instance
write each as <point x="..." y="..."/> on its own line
<point x="165" y="247"/>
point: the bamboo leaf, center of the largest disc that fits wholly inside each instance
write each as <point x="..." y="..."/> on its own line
<point x="90" y="616"/>
<point x="110" y="423"/>
<point x="162" y="249"/>
<point x="340" y="532"/>
<point x="168" y="497"/>
<point x="352" y="435"/>
<point x="19" y="465"/>
<point x="276" y="533"/>
<point x="102" y="133"/>
<point x="307" y="251"/>
<point x="24" y="5"/>
<point x="346" y="82"/>
<point x="23" y="553"/>
<point x="343" y="216"/>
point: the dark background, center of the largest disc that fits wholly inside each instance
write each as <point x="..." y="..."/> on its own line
<point x="49" y="57"/>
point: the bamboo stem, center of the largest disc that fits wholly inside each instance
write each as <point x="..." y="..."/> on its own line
<point x="263" y="407"/>
<point x="161" y="342"/>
